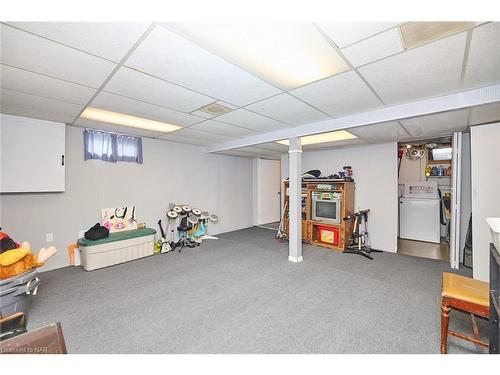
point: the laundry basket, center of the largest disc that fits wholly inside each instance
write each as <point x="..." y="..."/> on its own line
<point x="14" y="293"/>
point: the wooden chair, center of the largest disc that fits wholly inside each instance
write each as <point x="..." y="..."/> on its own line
<point x="467" y="295"/>
<point x="45" y="340"/>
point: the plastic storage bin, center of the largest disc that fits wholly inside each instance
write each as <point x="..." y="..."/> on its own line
<point x="14" y="293"/>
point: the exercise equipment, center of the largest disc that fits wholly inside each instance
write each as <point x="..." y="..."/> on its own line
<point x="359" y="242"/>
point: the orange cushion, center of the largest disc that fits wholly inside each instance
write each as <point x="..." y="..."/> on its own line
<point x="465" y="289"/>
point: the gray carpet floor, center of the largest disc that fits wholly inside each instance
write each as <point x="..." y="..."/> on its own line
<point x="239" y="294"/>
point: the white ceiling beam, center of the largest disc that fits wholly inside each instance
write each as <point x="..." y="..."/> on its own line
<point x="464" y="99"/>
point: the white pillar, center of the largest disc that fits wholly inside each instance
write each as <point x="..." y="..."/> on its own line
<point x="294" y="191"/>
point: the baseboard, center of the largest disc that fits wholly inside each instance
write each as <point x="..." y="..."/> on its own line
<point x="295" y="259"/>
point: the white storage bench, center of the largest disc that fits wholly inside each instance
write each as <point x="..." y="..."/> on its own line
<point x="119" y="247"/>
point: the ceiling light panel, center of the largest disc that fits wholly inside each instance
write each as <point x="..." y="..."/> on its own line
<point x="109" y="117"/>
<point x="167" y="55"/>
<point x="436" y="125"/>
<point x="427" y="71"/>
<point x="30" y="52"/>
<point x="121" y="104"/>
<point x="485" y="113"/>
<point x="340" y="135"/>
<point x="36" y="84"/>
<point x="374" y="48"/>
<point x="417" y="33"/>
<point x="334" y="145"/>
<point x="137" y="85"/>
<point x="384" y="132"/>
<point x="288" y="109"/>
<point x="111" y="40"/>
<point x="21" y="104"/>
<point x="219" y="128"/>
<point x="483" y="64"/>
<point x="83" y="123"/>
<point x="346" y="33"/>
<point x="250" y="120"/>
<point x="287" y="54"/>
<point x="339" y="95"/>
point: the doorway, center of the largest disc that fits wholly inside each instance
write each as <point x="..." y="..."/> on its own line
<point x="427" y="213"/>
<point x="268" y="190"/>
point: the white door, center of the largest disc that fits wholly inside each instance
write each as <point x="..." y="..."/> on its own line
<point x="455" y="200"/>
<point x="268" y="191"/>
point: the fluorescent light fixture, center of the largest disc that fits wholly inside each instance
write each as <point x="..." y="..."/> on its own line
<point x="116" y="118"/>
<point x="340" y="135"/>
<point x="286" y="54"/>
<point x="444" y="153"/>
<point x="418" y="33"/>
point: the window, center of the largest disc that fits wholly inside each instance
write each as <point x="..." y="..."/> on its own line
<point x="112" y="147"/>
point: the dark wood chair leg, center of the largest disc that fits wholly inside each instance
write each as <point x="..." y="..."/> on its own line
<point x="445" y="317"/>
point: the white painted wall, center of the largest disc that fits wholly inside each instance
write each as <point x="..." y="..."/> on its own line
<point x="485" y="167"/>
<point x="267" y="181"/>
<point x="171" y="172"/>
<point x="375" y="174"/>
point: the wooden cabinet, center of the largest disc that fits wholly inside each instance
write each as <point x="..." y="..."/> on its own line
<point x="336" y="236"/>
<point x="32" y="155"/>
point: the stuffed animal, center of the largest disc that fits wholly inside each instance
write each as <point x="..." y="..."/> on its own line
<point x="20" y="259"/>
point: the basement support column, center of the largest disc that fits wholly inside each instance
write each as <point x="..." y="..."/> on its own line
<point x="295" y="200"/>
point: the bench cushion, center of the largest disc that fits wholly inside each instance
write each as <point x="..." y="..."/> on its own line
<point x="465" y="289"/>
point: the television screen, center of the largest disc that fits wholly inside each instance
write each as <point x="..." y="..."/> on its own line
<point x="328" y="210"/>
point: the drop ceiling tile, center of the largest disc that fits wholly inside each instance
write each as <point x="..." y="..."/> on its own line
<point x="436" y="125"/>
<point x="44" y="86"/>
<point x="374" y="48"/>
<point x="200" y="135"/>
<point x="31" y="52"/>
<point x="339" y="95"/>
<point x="273" y="147"/>
<point x="484" y="56"/>
<point x="485" y="113"/>
<point x="237" y="153"/>
<point x="216" y="127"/>
<point x="137" y="85"/>
<point x="36" y="106"/>
<point x="250" y="120"/>
<point x="121" y="104"/>
<point x="431" y="70"/>
<point x="190" y="66"/>
<point x="289" y="109"/>
<point x="345" y="33"/>
<point x="184" y="139"/>
<point x="384" y="132"/>
<point x="84" y="123"/>
<point x="111" y="40"/>
<point x="334" y="145"/>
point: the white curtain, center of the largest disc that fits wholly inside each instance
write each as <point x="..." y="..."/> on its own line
<point x="112" y="147"/>
<point x="129" y="148"/>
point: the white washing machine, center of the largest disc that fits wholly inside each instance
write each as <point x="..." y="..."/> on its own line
<point x="419" y="212"/>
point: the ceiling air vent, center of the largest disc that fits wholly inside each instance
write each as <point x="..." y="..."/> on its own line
<point x="418" y="33"/>
<point x="215" y="109"/>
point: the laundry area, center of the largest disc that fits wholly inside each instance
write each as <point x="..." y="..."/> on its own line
<point x="425" y="193"/>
